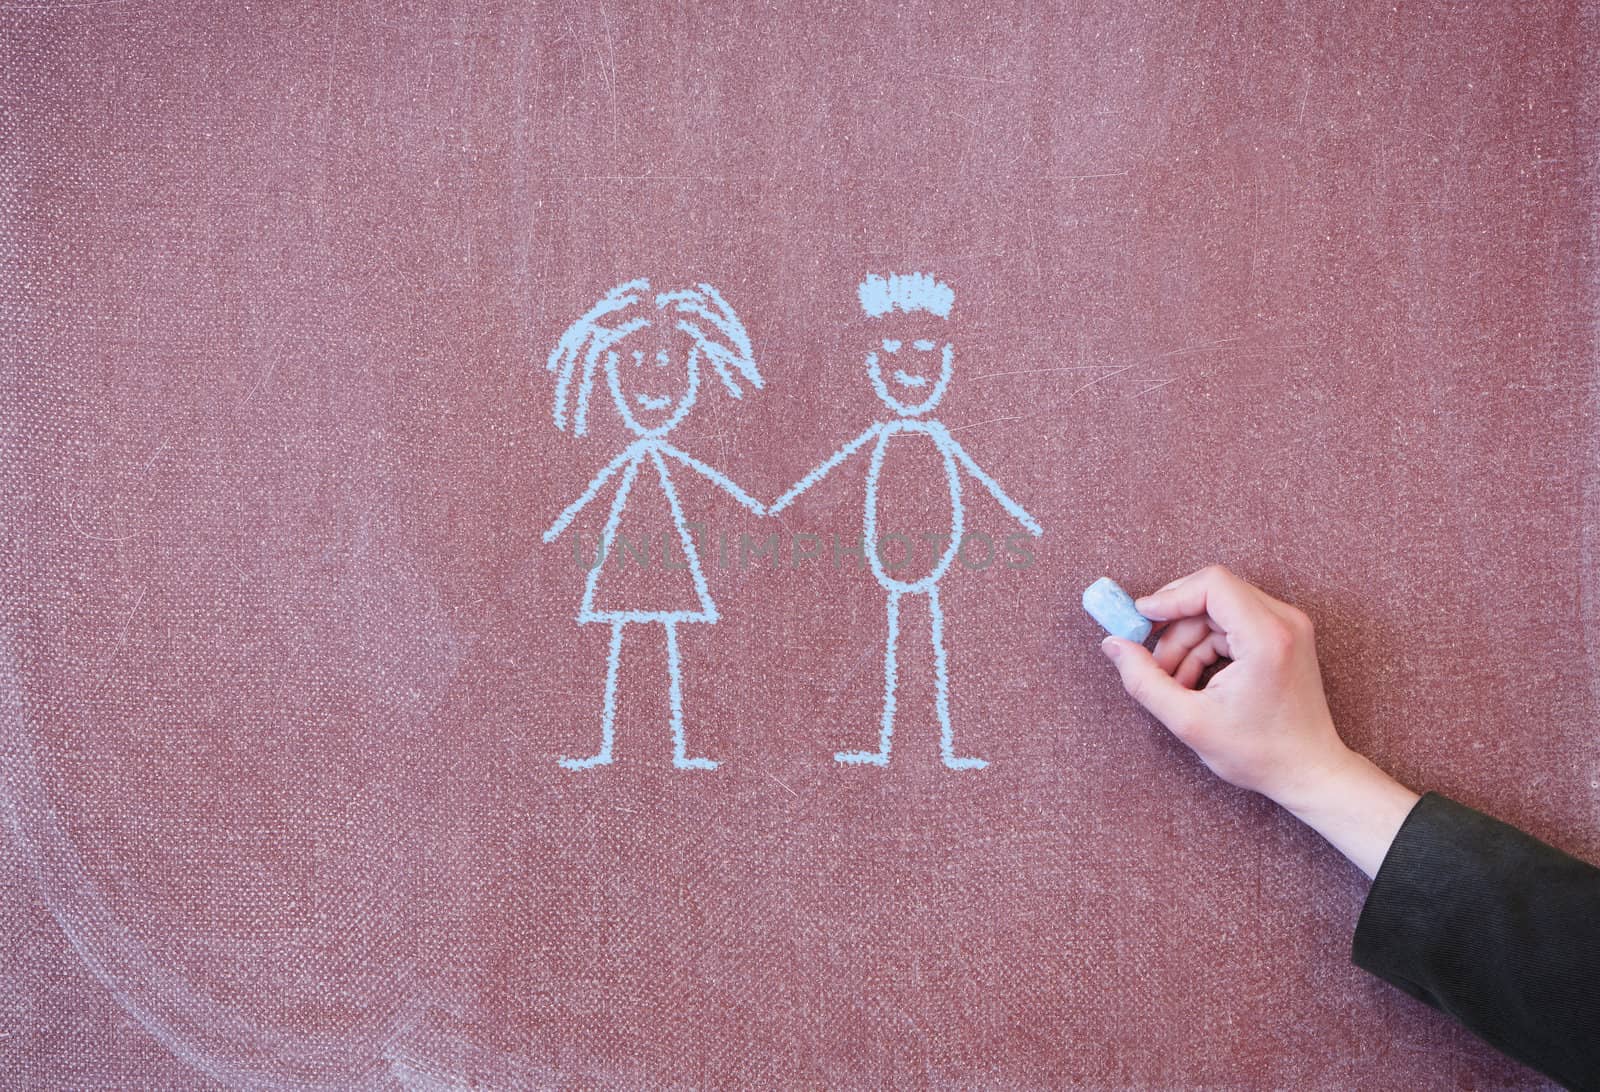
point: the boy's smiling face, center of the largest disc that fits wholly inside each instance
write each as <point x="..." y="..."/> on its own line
<point x="910" y="362"/>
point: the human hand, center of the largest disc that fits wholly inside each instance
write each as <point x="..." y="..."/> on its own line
<point x="1262" y="721"/>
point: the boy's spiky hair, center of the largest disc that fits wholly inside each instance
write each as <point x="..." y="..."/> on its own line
<point x="905" y="292"/>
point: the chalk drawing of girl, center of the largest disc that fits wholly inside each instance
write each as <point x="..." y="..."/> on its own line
<point x="651" y="350"/>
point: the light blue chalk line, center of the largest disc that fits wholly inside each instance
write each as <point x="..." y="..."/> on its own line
<point x="685" y="402"/>
<point x="823" y="470"/>
<point x="875" y="374"/>
<point x="955" y="458"/>
<point x="727" y="323"/>
<point x="608" y="535"/>
<point x="880" y="295"/>
<point x="591" y="340"/>
<point x="905" y="292"/>
<point x="880" y="757"/>
<point x="687" y="540"/>
<point x="1013" y="509"/>
<point x="668" y="619"/>
<point x="714" y="476"/>
<point x="708" y="612"/>
<point x="629" y="453"/>
<point x="574" y="341"/>
<point x="870" y="520"/>
<point x="608" y="715"/>
<point x="941" y="691"/>
<point x="585" y="339"/>
<point x="928" y="586"/>
<point x="724" y="360"/>
<point x="601" y="343"/>
<point x="680" y="754"/>
<point x="740" y="357"/>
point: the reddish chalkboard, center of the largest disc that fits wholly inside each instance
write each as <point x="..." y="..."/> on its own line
<point x="293" y="305"/>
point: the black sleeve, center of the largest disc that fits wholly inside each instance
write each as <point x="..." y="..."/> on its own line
<point x="1495" y="928"/>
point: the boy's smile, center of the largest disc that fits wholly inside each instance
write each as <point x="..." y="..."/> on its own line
<point x="910" y="374"/>
<point x="913" y="356"/>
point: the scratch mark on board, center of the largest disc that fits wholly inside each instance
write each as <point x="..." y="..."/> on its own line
<point x="783" y="786"/>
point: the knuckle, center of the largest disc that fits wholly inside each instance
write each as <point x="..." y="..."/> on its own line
<point x="1186" y="726"/>
<point x="1277" y="640"/>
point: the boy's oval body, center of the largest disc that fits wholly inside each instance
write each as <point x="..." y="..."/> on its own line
<point x="913" y="490"/>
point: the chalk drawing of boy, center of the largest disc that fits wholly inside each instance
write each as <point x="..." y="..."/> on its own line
<point x="921" y="368"/>
<point x="651" y="350"/>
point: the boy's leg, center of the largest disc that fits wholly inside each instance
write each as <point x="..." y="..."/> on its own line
<point x="886" y="721"/>
<point x="609" y="715"/>
<point x="680" y="754"/>
<point x="941" y="690"/>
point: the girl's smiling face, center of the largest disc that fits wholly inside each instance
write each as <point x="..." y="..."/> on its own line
<point x="653" y="378"/>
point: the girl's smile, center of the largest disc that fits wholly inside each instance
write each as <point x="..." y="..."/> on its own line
<point x="651" y="387"/>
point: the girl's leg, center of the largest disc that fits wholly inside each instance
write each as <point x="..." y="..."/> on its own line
<point x="880" y="757"/>
<point x="680" y="755"/>
<point x="609" y="715"/>
<point x="941" y="690"/>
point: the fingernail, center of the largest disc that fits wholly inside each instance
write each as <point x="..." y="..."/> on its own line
<point x="1111" y="649"/>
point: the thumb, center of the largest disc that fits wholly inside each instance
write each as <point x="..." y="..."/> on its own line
<point x="1144" y="680"/>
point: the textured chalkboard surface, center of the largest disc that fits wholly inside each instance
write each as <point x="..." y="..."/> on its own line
<point x="289" y="667"/>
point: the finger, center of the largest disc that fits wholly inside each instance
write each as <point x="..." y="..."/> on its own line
<point x="1178" y="639"/>
<point x="1145" y="682"/>
<point x="1159" y="626"/>
<point x="1195" y="663"/>
<point x="1236" y="606"/>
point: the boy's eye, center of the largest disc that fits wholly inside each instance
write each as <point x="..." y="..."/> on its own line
<point x="890" y="346"/>
<point x="924" y="344"/>
<point x="638" y="357"/>
<point x="661" y="359"/>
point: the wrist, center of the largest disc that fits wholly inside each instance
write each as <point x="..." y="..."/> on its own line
<point x="1324" y="784"/>
<point x="1356" y="806"/>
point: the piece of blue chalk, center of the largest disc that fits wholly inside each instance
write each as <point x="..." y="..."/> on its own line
<point x="1113" y="608"/>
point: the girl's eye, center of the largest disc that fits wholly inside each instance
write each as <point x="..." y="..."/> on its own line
<point x="890" y="346"/>
<point x="638" y="357"/>
<point x="661" y="359"/>
<point x="923" y="344"/>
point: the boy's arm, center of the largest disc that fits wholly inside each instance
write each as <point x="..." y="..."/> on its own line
<point x="822" y="471"/>
<point x="572" y="510"/>
<point x="1013" y="509"/>
<point x="716" y="478"/>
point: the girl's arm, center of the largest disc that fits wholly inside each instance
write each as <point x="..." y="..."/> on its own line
<point x="716" y="478"/>
<point x="572" y="510"/>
